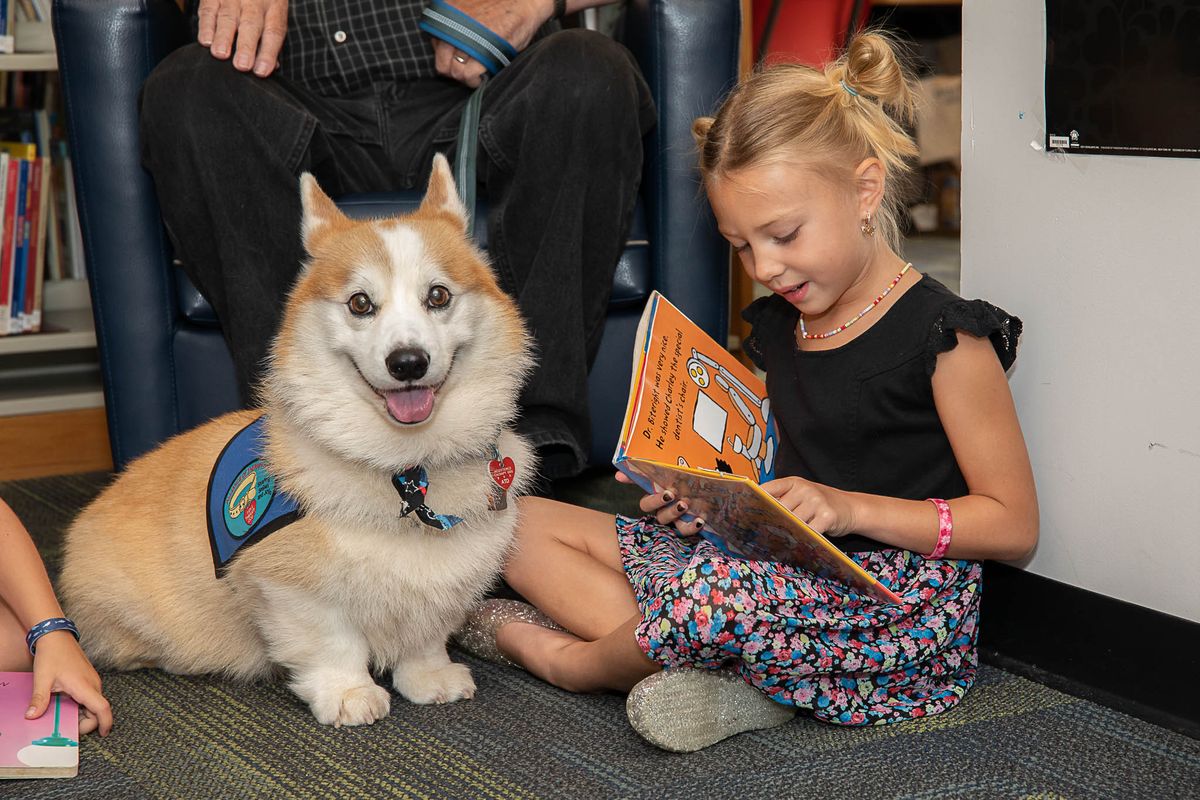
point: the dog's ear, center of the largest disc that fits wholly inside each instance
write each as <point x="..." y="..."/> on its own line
<point x="319" y="213"/>
<point x="441" y="196"/>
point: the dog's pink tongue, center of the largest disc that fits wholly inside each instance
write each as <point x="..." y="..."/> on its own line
<point x="410" y="405"/>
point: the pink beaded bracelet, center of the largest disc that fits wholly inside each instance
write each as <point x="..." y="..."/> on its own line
<point x="945" y="528"/>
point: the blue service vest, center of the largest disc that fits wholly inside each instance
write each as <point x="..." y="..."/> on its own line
<point x="244" y="505"/>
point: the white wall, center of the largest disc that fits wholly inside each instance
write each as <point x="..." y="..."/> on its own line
<point x="1100" y="256"/>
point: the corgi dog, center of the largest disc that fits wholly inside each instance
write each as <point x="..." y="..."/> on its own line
<point x="386" y="421"/>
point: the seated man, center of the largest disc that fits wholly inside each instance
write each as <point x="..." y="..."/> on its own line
<point x="353" y="92"/>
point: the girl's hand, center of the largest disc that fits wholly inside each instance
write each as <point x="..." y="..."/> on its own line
<point x="667" y="508"/>
<point x="61" y="666"/>
<point x="826" y="510"/>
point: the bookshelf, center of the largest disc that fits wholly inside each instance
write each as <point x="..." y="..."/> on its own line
<point x="51" y="399"/>
<point x="28" y="62"/>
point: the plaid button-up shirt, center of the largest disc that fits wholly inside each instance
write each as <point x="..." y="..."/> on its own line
<point x="335" y="47"/>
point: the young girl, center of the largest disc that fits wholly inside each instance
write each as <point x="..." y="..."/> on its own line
<point x="31" y="619"/>
<point x="899" y="441"/>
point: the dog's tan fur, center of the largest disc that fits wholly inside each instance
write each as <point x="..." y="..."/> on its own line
<point x="350" y="587"/>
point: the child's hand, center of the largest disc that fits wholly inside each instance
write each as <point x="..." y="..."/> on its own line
<point x="667" y="508"/>
<point x="61" y="666"/>
<point x="826" y="510"/>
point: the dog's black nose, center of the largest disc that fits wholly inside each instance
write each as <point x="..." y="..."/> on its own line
<point x="407" y="363"/>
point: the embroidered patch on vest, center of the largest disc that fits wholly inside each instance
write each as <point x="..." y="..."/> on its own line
<point x="244" y="504"/>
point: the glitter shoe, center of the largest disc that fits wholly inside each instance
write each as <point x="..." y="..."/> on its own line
<point x="683" y="710"/>
<point x="478" y="634"/>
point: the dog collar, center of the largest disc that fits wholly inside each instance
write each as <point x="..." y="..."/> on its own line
<point x="413" y="485"/>
<point x="245" y="504"/>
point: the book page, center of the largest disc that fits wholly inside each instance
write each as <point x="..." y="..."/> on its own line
<point x="744" y="521"/>
<point x="693" y="404"/>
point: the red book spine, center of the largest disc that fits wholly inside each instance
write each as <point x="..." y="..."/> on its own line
<point x="6" y="244"/>
<point x="33" y="216"/>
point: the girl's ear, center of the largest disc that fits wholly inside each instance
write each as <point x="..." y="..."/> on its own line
<point x="869" y="178"/>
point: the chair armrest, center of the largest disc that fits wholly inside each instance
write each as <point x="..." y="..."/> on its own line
<point x="106" y="48"/>
<point x="688" y="52"/>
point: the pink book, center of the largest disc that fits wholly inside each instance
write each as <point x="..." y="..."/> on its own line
<point x="47" y="747"/>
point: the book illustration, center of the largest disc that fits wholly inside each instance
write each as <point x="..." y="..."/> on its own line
<point x="700" y="421"/>
<point x="46" y="747"/>
<point x="694" y="405"/>
<point x="710" y="417"/>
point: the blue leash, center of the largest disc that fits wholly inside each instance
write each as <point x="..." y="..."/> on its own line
<point x="443" y="21"/>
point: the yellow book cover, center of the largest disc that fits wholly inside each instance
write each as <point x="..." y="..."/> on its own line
<point x="698" y="420"/>
<point x="19" y="149"/>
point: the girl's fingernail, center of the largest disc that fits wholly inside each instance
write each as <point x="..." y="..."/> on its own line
<point x="29" y="712"/>
<point x="668" y="497"/>
<point x="699" y="524"/>
<point x="682" y="507"/>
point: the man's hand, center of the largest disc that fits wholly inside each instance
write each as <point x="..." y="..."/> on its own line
<point x="258" y="26"/>
<point x="515" y="20"/>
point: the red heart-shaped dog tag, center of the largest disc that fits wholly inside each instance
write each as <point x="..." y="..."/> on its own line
<point x="502" y="471"/>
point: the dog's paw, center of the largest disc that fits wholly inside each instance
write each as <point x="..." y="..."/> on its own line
<point x="359" y="705"/>
<point x="441" y="685"/>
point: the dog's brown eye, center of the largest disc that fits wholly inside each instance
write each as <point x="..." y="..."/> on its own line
<point x="439" y="297"/>
<point x="360" y="304"/>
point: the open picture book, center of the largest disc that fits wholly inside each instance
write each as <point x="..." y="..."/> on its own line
<point x="46" y="747"/>
<point x="699" y="421"/>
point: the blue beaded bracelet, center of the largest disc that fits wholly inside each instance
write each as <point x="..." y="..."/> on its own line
<point x="48" y="626"/>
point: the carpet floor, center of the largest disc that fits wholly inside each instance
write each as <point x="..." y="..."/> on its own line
<point x="196" y="737"/>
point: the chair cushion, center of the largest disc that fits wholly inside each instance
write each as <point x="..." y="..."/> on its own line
<point x="631" y="282"/>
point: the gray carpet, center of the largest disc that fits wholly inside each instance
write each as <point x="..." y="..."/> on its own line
<point x="201" y="738"/>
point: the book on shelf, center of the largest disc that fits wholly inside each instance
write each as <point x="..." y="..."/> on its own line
<point x="20" y="248"/>
<point x="39" y="237"/>
<point x="700" y="422"/>
<point x="46" y="747"/>
<point x="39" y="196"/>
<point x="7" y="40"/>
<point x="12" y="174"/>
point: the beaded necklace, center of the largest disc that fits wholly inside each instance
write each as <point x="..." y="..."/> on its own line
<point x="804" y="331"/>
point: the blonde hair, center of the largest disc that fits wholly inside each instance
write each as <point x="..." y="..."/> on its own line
<point x="830" y="119"/>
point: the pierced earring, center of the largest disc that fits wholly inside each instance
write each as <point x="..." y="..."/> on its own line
<point x="867" y="228"/>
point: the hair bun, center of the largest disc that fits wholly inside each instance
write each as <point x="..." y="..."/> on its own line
<point x="700" y="128"/>
<point x="872" y="67"/>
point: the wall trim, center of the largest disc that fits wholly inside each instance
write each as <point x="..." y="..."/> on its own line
<point x="1130" y="658"/>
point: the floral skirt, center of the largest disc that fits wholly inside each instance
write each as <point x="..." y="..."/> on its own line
<point x="804" y="640"/>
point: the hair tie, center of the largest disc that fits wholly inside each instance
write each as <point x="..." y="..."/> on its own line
<point x="847" y="88"/>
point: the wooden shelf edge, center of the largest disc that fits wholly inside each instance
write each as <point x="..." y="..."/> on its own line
<point x="29" y="62"/>
<point x="62" y="443"/>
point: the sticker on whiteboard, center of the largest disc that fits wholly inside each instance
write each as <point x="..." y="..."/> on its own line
<point x="1057" y="142"/>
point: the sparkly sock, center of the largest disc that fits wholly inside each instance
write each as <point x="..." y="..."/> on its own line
<point x="683" y="710"/>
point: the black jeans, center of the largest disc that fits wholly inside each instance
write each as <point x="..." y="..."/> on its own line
<point x="560" y="162"/>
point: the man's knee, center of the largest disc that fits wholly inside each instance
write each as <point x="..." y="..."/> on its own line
<point x="190" y="87"/>
<point x="586" y="70"/>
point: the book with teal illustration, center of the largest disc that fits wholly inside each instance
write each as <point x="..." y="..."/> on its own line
<point x="47" y="747"/>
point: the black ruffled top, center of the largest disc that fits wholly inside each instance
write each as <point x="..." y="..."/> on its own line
<point x="861" y="417"/>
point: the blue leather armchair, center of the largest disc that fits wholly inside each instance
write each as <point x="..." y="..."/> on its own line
<point x="164" y="362"/>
